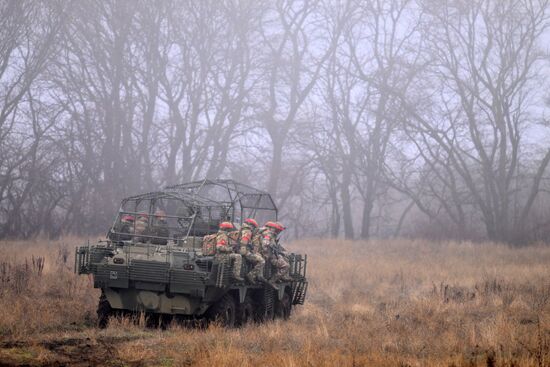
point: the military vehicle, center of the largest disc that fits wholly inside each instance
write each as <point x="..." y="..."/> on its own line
<point x="154" y="262"/>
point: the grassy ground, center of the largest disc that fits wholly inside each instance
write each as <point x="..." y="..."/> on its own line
<point x="387" y="303"/>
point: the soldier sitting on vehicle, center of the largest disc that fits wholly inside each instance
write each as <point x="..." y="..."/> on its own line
<point x="160" y="228"/>
<point x="123" y="230"/>
<point x="224" y="251"/>
<point x="251" y="251"/>
<point x="209" y="244"/>
<point x="274" y="252"/>
<point x="142" y="226"/>
<point x="234" y="238"/>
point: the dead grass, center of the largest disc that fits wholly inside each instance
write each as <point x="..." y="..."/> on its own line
<point x="39" y="291"/>
<point x="383" y="303"/>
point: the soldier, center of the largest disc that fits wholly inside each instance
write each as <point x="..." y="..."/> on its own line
<point x="125" y="228"/>
<point x="251" y="251"/>
<point x="234" y="238"/>
<point x="160" y="229"/>
<point x="224" y="251"/>
<point x="275" y="252"/>
<point x="142" y="226"/>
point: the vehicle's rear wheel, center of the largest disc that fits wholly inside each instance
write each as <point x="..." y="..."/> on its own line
<point x="224" y="311"/>
<point x="245" y="312"/>
<point x="283" y="307"/>
<point x="104" y="311"/>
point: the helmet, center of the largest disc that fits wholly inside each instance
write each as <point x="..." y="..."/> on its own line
<point x="275" y="225"/>
<point x="251" y="222"/>
<point x="127" y="218"/>
<point x="226" y="225"/>
<point x="143" y="215"/>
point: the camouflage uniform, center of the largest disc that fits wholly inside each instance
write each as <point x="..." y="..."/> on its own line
<point x="276" y="257"/>
<point x="142" y="226"/>
<point x="160" y="229"/>
<point x="234" y="237"/>
<point x="251" y="252"/>
<point x="224" y="253"/>
<point x="125" y="229"/>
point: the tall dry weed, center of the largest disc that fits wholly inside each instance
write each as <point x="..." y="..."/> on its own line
<point x="382" y="303"/>
<point x="39" y="293"/>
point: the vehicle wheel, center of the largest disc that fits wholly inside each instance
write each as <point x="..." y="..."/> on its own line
<point x="152" y="320"/>
<point x="245" y="312"/>
<point x="269" y="315"/>
<point x="264" y="313"/>
<point x="224" y="311"/>
<point x="104" y="311"/>
<point x="283" y="307"/>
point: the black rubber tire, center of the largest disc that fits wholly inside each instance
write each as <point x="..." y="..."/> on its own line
<point x="224" y="312"/>
<point x="269" y="315"/>
<point x="246" y="312"/>
<point x="152" y="320"/>
<point x="283" y="307"/>
<point x="104" y="311"/>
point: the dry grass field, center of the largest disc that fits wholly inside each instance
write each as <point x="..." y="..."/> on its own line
<point x="377" y="303"/>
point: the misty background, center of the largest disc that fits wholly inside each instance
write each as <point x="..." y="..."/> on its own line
<point x="362" y="118"/>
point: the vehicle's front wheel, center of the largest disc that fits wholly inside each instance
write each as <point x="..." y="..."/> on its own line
<point x="104" y="311"/>
<point x="224" y="312"/>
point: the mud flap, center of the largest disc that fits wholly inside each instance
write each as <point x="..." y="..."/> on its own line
<point x="281" y="292"/>
<point x="242" y="294"/>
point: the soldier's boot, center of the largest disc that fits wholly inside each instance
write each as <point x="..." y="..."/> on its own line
<point x="238" y="278"/>
<point x="273" y="283"/>
<point x="258" y="271"/>
<point x="275" y="278"/>
<point x="237" y="268"/>
<point x="286" y="278"/>
<point x="284" y="270"/>
<point x="261" y="278"/>
<point x="285" y="275"/>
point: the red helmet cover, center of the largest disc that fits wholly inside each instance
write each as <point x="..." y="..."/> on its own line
<point x="127" y="218"/>
<point x="226" y="225"/>
<point x="276" y="225"/>
<point x="252" y="222"/>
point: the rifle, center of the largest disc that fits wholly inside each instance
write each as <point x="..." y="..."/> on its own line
<point x="278" y="250"/>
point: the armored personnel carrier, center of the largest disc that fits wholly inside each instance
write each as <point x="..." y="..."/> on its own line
<point x="153" y="261"/>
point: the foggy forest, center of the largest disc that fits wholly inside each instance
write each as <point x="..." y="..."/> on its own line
<point x="405" y="144"/>
<point x="364" y="119"/>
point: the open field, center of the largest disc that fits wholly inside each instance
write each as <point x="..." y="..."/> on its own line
<point x="387" y="303"/>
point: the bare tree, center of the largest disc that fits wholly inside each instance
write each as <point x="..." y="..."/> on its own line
<point x="376" y="56"/>
<point x="293" y="64"/>
<point x="206" y="86"/>
<point x="353" y="114"/>
<point x="28" y="34"/>
<point x="484" y="59"/>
